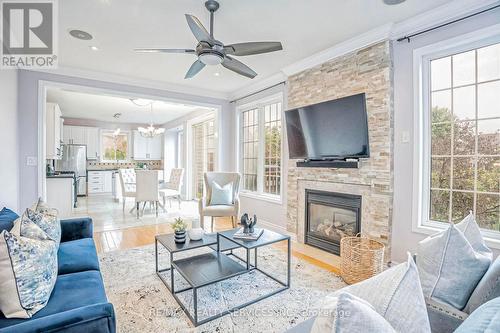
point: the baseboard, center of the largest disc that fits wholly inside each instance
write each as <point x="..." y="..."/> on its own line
<point x="277" y="228"/>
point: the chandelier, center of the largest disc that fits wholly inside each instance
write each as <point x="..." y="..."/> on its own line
<point x="151" y="131"/>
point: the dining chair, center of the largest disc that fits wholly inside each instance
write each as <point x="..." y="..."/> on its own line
<point x="172" y="188"/>
<point x="147" y="189"/>
<point x="206" y="208"/>
<point x="127" y="183"/>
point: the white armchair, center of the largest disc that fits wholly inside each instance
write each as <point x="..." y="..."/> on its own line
<point x="206" y="209"/>
<point x="172" y="188"/>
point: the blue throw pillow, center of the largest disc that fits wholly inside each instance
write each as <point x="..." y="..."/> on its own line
<point x="7" y="218"/>
<point x="222" y="195"/>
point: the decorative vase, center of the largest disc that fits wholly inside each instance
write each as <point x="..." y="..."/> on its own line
<point x="180" y="236"/>
<point x="196" y="234"/>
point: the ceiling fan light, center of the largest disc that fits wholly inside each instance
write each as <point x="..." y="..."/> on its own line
<point x="210" y="58"/>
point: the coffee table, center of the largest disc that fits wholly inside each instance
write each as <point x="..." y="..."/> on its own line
<point x="217" y="265"/>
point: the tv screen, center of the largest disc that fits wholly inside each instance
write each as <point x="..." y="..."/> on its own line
<point x="335" y="129"/>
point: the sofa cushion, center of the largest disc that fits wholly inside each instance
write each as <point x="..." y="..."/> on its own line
<point x="7" y="218"/>
<point x="28" y="272"/>
<point x="486" y="319"/>
<point x="487" y="289"/>
<point x="452" y="262"/>
<point x="396" y="294"/>
<point x="77" y="256"/>
<point x="71" y="291"/>
<point x="348" y="313"/>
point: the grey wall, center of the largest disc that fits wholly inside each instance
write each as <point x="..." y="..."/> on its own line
<point x="9" y="169"/>
<point x="403" y="239"/>
<point x="28" y="120"/>
<point x="268" y="212"/>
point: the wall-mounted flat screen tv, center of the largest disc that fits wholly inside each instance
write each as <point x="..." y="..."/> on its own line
<point x="336" y="129"/>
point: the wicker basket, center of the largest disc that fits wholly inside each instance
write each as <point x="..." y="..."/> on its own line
<point x="361" y="258"/>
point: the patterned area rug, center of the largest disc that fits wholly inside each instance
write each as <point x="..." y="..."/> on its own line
<point x="143" y="304"/>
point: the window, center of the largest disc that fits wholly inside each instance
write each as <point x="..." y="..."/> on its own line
<point x="204" y="153"/>
<point x="260" y="147"/>
<point x="464" y="103"/>
<point x="114" y="146"/>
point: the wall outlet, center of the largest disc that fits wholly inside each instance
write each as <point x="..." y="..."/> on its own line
<point x="31" y="161"/>
<point x="405" y="137"/>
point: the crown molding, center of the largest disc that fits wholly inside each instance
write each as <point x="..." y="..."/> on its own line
<point x="361" y="41"/>
<point x="439" y="15"/>
<point x="259" y="85"/>
<point x="132" y="81"/>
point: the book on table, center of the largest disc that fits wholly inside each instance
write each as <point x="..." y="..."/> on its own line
<point x="257" y="232"/>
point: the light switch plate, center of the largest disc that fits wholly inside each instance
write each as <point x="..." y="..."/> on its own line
<point x="405" y="137"/>
<point x="31" y="161"/>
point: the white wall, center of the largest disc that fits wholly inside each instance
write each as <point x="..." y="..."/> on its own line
<point x="9" y="147"/>
<point x="272" y="214"/>
<point x="403" y="239"/>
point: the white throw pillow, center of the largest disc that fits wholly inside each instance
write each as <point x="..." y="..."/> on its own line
<point x="452" y="262"/>
<point x="396" y="294"/>
<point x="28" y="271"/>
<point x="222" y="195"/>
<point x="348" y="313"/>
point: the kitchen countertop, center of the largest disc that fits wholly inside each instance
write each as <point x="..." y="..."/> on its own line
<point x="61" y="176"/>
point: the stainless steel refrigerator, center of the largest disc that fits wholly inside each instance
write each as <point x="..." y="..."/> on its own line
<point x="74" y="158"/>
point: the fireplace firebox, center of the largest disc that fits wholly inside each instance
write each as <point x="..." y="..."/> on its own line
<point x="329" y="217"/>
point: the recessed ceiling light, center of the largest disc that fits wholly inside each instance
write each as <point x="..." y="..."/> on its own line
<point x="216" y="73"/>
<point x="94" y="48"/>
<point x="80" y="34"/>
<point x="393" y="2"/>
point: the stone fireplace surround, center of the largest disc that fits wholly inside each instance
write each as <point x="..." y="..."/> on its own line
<point x="368" y="70"/>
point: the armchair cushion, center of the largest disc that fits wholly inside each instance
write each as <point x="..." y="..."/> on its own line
<point x="220" y="210"/>
<point x="221" y="195"/>
<point x="76" y="228"/>
<point x="77" y="256"/>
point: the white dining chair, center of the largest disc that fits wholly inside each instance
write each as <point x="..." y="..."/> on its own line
<point x="127" y="183"/>
<point x="172" y="188"/>
<point x="147" y="189"/>
<point x="206" y="208"/>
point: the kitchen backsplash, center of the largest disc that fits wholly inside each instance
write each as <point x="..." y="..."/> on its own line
<point x="152" y="165"/>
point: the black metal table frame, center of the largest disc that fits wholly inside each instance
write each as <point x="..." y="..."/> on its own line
<point x="249" y="268"/>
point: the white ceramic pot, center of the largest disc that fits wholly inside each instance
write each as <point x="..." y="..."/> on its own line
<point x="195" y="233"/>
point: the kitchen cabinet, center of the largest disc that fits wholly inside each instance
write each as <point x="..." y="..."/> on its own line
<point x="53" y="131"/>
<point x="83" y="135"/>
<point x="61" y="195"/>
<point x="147" y="148"/>
<point x="100" y="182"/>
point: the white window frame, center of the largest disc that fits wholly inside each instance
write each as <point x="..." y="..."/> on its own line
<point x="421" y="145"/>
<point x="260" y="104"/>
<point x="101" y="147"/>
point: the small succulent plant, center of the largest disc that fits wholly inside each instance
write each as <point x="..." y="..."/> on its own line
<point x="179" y="225"/>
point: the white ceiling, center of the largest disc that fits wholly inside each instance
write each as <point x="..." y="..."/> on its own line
<point x="103" y="107"/>
<point x="303" y="27"/>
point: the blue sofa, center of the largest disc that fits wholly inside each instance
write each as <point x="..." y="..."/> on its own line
<point x="78" y="302"/>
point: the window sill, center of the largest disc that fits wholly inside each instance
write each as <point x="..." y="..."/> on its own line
<point x="263" y="197"/>
<point x="432" y="227"/>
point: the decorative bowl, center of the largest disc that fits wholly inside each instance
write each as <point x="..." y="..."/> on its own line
<point x="195" y="233"/>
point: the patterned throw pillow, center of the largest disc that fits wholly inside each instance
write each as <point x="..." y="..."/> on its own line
<point x="452" y="262"/>
<point x="348" y="313"/>
<point x="28" y="272"/>
<point x="41" y="207"/>
<point x="48" y="223"/>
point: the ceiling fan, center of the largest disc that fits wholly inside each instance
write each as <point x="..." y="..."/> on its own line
<point x="213" y="52"/>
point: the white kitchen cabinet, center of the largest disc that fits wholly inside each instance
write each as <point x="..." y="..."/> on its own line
<point x="147" y="148"/>
<point x="60" y="195"/>
<point x="53" y="131"/>
<point x="100" y="182"/>
<point x="92" y="141"/>
<point x="83" y="135"/>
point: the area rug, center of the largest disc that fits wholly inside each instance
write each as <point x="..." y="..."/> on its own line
<point x="143" y="304"/>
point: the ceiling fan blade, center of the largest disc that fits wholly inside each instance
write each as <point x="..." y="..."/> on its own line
<point x="194" y="69"/>
<point x="162" y="50"/>
<point x="198" y="29"/>
<point x="238" y="67"/>
<point x="243" y="49"/>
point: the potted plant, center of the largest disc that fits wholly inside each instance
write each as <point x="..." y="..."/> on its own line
<point x="179" y="227"/>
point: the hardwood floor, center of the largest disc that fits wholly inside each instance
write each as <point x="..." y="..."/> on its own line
<point x="122" y="239"/>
